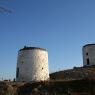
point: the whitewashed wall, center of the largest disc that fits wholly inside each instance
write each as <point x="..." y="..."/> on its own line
<point x="33" y="65"/>
<point x="89" y="53"/>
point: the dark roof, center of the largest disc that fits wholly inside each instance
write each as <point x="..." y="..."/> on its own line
<point x="31" y="48"/>
<point x="89" y="45"/>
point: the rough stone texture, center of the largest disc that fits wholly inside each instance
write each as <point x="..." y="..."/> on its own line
<point x="73" y="87"/>
<point x="89" y="54"/>
<point x="74" y="74"/>
<point x="33" y="65"/>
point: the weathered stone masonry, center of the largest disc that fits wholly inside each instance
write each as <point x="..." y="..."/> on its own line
<point x="32" y="64"/>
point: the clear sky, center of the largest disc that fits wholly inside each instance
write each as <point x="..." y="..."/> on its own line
<point x="60" y="26"/>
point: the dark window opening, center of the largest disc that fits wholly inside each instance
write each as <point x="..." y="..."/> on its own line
<point x="88" y="62"/>
<point x="86" y="53"/>
<point x="42" y="68"/>
<point x="17" y="73"/>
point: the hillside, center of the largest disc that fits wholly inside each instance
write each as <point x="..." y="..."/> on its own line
<point x="74" y="74"/>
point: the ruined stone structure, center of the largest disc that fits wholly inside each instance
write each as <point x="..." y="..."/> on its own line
<point x="89" y="55"/>
<point x="32" y="64"/>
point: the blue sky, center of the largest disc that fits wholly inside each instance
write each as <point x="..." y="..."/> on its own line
<point x="60" y="26"/>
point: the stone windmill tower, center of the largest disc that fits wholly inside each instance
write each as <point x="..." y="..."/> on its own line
<point x="32" y="64"/>
<point x="89" y="55"/>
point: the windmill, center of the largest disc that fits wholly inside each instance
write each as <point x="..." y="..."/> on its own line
<point x="4" y="9"/>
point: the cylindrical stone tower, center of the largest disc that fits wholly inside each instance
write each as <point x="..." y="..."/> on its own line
<point x="89" y="55"/>
<point x="32" y="64"/>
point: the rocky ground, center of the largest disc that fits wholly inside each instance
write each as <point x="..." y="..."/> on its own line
<point x="73" y="87"/>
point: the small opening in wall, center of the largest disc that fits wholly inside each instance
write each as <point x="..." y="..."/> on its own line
<point x="86" y="53"/>
<point x="42" y="68"/>
<point x="88" y="61"/>
<point x="17" y="73"/>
